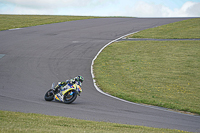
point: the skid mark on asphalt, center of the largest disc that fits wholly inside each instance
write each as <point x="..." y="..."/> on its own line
<point x="2" y="55"/>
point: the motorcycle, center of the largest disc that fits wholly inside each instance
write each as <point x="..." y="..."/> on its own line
<point x="66" y="94"/>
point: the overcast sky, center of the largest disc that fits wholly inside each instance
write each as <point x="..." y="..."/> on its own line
<point x="133" y="8"/>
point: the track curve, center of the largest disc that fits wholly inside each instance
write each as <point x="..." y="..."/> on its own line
<point x="34" y="57"/>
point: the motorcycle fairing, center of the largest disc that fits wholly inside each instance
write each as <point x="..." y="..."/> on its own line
<point x="65" y="89"/>
<point x="58" y="97"/>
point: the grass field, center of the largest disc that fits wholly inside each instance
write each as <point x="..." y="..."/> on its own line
<point x="165" y="74"/>
<point x="14" y="122"/>
<point x="178" y="30"/>
<point x="161" y="73"/>
<point x="19" y="21"/>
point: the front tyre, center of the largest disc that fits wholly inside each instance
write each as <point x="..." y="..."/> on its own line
<point x="49" y="96"/>
<point x="70" y="96"/>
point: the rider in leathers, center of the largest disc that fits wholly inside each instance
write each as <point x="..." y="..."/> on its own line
<point x="79" y="79"/>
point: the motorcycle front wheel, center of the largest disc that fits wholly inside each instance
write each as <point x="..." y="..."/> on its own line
<point x="70" y="96"/>
<point x="49" y="96"/>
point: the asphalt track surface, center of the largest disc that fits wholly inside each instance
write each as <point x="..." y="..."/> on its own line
<point x="34" y="57"/>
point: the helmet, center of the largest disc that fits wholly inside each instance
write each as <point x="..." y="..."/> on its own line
<point x="79" y="78"/>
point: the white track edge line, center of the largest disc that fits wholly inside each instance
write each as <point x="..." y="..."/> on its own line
<point x="15" y="29"/>
<point x="99" y="90"/>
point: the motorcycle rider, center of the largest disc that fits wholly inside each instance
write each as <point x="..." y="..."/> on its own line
<point x="79" y="80"/>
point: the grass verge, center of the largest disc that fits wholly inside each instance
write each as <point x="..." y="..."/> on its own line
<point x="161" y="73"/>
<point x="26" y="122"/>
<point x="184" y="29"/>
<point x="19" y="21"/>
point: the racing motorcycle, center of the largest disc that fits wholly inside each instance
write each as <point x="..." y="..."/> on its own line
<point x="66" y="94"/>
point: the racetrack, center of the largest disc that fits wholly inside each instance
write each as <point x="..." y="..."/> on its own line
<point x="34" y="57"/>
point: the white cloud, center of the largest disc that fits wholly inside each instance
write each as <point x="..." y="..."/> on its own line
<point x="54" y="7"/>
<point x="190" y="9"/>
<point x="99" y="8"/>
<point x="54" y="3"/>
<point x="144" y="9"/>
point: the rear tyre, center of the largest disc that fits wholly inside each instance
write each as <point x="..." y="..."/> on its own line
<point x="49" y="95"/>
<point x="70" y="96"/>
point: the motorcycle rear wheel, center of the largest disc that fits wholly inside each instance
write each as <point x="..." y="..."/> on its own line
<point x="69" y="98"/>
<point x="49" y="96"/>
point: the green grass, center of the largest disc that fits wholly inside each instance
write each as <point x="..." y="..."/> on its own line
<point x="161" y="73"/>
<point x="183" y="29"/>
<point x="19" y="21"/>
<point x="12" y="122"/>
